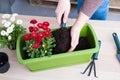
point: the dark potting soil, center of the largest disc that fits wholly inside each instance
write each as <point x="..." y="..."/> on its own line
<point x="63" y="40"/>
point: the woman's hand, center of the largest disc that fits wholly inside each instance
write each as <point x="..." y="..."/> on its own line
<point x="75" y="31"/>
<point x="63" y="7"/>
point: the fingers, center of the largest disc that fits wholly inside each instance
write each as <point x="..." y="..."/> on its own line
<point x="65" y="18"/>
<point x="63" y="7"/>
<point x="74" y="38"/>
<point x="74" y="43"/>
<point x="71" y="49"/>
<point x="59" y="16"/>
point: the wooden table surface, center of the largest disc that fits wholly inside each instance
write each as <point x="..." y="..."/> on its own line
<point x="107" y="65"/>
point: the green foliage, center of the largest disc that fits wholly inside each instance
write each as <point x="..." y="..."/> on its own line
<point x="17" y="30"/>
<point x="45" y="49"/>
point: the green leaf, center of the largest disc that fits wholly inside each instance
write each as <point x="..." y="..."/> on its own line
<point x="32" y="55"/>
<point x="24" y="48"/>
<point x="29" y="54"/>
<point x="42" y="53"/>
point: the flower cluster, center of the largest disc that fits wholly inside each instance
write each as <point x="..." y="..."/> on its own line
<point x="39" y="41"/>
<point x="10" y="30"/>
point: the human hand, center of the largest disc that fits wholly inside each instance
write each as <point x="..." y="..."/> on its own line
<point x="63" y="7"/>
<point x="75" y="31"/>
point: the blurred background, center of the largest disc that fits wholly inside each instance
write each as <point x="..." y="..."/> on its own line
<point x="47" y="8"/>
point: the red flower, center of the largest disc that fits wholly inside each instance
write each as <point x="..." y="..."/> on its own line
<point x="46" y="23"/>
<point x="31" y="29"/>
<point x="41" y="34"/>
<point x="36" y="45"/>
<point x="38" y="39"/>
<point x="47" y="34"/>
<point x="44" y="27"/>
<point x="27" y="37"/>
<point x="34" y="35"/>
<point x="35" y="29"/>
<point x="40" y="25"/>
<point x="48" y="29"/>
<point x="34" y="21"/>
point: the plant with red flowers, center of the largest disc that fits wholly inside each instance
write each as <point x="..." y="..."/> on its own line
<point x="39" y="41"/>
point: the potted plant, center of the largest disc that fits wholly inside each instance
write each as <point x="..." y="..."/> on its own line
<point x="39" y="42"/>
<point x="61" y="59"/>
<point x="10" y="30"/>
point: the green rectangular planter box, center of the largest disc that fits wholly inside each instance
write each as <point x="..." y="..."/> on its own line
<point x="63" y="59"/>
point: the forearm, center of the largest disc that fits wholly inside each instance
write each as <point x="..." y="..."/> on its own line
<point x="90" y="6"/>
<point x="81" y="20"/>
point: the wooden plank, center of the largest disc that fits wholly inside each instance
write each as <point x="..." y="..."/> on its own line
<point x="45" y="2"/>
<point x="72" y="1"/>
<point x="114" y="4"/>
<point x="114" y="7"/>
